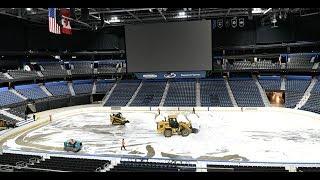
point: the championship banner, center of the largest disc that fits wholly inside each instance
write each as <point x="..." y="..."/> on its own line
<point x="65" y="21"/>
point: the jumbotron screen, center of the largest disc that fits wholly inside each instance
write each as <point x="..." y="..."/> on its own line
<point x="174" y="46"/>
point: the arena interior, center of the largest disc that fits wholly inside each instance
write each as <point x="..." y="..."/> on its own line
<point x="159" y="90"/>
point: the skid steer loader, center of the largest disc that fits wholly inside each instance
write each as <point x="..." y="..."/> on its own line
<point x="118" y="119"/>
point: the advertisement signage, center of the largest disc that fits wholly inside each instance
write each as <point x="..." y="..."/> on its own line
<point x="171" y="75"/>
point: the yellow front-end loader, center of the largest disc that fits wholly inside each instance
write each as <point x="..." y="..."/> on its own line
<point x="171" y="126"/>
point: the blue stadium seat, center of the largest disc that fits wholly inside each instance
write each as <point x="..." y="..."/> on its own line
<point x="150" y="94"/>
<point x="32" y="91"/>
<point x="82" y="87"/>
<point x="295" y="89"/>
<point x="181" y="93"/>
<point x="122" y="93"/>
<point x="103" y="86"/>
<point x="214" y="93"/>
<point x="58" y="88"/>
<point x="246" y="93"/>
<point x="8" y="98"/>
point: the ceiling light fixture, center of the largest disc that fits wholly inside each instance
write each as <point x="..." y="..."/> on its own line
<point x="114" y="19"/>
<point x="257" y="11"/>
<point x="182" y="14"/>
<point x="267" y="11"/>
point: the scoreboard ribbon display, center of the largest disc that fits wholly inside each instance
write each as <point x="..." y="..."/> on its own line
<point x="171" y="75"/>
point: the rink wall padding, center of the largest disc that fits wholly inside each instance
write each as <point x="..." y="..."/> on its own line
<point x="97" y="97"/>
<point x="79" y="100"/>
<point x="41" y="106"/>
<point x="59" y="102"/>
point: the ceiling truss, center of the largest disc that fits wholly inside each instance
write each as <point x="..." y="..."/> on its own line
<point x="145" y="15"/>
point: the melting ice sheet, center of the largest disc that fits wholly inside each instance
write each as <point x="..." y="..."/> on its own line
<point x="250" y="136"/>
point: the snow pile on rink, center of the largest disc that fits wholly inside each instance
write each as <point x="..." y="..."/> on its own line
<point x="224" y="135"/>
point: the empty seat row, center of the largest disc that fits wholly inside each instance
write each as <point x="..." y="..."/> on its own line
<point x="246" y="93"/>
<point x="152" y="167"/>
<point x="181" y="93"/>
<point x="295" y="89"/>
<point x="18" y="111"/>
<point x="12" y="159"/>
<point x="103" y="86"/>
<point x="58" y="89"/>
<point x="122" y="93"/>
<point x="21" y="74"/>
<point x="214" y="93"/>
<point x="226" y="168"/>
<point x="271" y="84"/>
<point x="8" y="97"/>
<point x="33" y="92"/>
<point x="83" y="67"/>
<point x="53" y="70"/>
<point x="83" y="88"/>
<point x="107" y="68"/>
<point x="150" y="94"/>
<point x="3" y="77"/>
<point x="71" y="164"/>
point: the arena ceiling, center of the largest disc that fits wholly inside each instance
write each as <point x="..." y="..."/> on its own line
<point x="103" y="17"/>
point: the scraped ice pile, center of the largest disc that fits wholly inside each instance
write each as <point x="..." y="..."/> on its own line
<point x="257" y="136"/>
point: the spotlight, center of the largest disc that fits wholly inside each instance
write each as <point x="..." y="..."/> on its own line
<point x="28" y="9"/>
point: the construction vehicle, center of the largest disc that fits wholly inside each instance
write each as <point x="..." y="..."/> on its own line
<point x="118" y="119"/>
<point x="171" y="126"/>
<point x="72" y="145"/>
<point x="5" y="124"/>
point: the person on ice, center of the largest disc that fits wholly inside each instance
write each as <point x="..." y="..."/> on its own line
<point x="72" y="142"/>
<point x="123" y="145"/>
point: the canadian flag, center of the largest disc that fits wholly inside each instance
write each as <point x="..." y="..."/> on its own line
<point x="65" y="21"/>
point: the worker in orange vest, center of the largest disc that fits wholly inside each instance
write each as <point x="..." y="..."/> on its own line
<point x="123" y="145"/>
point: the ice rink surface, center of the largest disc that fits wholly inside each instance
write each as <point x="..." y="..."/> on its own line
<point x="239" y="136"/>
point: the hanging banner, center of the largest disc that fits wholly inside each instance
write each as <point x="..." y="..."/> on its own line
<point x="241" y="22"/>
<point x="214" y="24"/>
<point x="227" y="23"/>
<point x="234" y="22"/>
<point x="220" y="23"/>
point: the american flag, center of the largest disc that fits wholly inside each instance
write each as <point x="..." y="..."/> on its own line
<point x="54" y="27"/>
